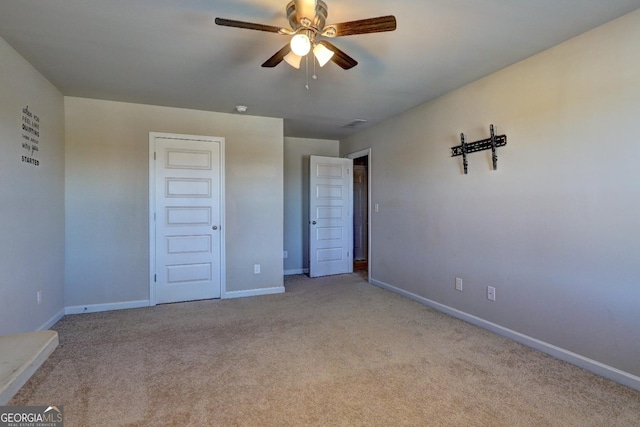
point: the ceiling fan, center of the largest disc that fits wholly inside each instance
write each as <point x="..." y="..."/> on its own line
<point x="307" y="20"/>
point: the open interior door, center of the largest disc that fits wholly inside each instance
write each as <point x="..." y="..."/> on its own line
<point x="330" y="216"/>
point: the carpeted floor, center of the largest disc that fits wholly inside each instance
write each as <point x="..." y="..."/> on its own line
<point x="329" y="352"/>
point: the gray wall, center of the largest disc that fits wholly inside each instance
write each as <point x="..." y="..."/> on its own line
<point x="31" y="199"/>
<point x="297" y="152"/>
<point x="555" y="229"/>
<point x="107" y="193"/>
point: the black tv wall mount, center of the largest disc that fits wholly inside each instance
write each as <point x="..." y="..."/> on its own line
<point x="490" y="143"/>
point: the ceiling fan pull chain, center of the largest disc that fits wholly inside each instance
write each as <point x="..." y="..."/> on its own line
<point x="306" y="66"/>
<point x="314" y="76"/>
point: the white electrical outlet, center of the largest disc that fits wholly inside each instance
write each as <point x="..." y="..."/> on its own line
<point x="491" y="293"/>
<point x="377" y="207"/>
<point x="285" y="254"/>
<point x="256" y="268"/>
<point x="458" y="284"/>
<point x="39" y="297"/>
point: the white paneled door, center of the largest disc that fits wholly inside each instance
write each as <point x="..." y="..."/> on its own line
<point x="187" y="202"/>
<point x="330" y="216"/>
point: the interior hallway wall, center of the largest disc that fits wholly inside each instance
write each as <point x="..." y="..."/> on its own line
<point x="31" y="197"/>
<point x="555" y="229"/>
<point x="297" y="152"/>
<point x="107" y="196"/>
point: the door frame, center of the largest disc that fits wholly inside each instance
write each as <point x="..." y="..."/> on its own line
<point x="355" y="155"/>
<point x="152" y="205"/>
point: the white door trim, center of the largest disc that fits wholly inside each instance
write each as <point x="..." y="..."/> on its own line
<point x="362" y="153"/>
<point x="152" y="205"/>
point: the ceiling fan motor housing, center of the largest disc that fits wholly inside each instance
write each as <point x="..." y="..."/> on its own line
<point x="316" y="23"/>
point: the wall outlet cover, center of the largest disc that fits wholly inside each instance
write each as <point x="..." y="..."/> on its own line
<point x="491" y="293"/>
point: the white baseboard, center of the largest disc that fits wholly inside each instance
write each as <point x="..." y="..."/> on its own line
<point x="300" y="271"/>
<point x="95" y="308"/>
<point x="593" y="366"/>
<point x="253" y="292"/>
<point x="49" y="323"/>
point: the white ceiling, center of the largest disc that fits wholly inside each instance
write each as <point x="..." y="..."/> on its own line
<point x="169" y="52"/>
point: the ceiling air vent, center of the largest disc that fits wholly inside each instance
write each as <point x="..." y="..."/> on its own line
<point x="355" y="123"/>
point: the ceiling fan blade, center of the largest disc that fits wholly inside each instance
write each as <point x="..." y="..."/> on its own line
<point x="247" y="25"/>
<point x="339" y="57"/>
<point x="277" y="57"/>
<point x="362" y="26"/>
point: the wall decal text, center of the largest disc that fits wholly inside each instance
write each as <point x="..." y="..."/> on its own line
<point x="30" y="137"/>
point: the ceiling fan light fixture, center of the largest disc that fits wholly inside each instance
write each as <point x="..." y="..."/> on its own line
<point x="293" y="60"/>
<point x="300" y="44"/>
<point x="322" y="54"/>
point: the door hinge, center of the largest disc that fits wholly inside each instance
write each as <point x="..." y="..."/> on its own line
<point x="154" y="216"/>
<point x="154" y="155"/>
<point x="155" y="278"/>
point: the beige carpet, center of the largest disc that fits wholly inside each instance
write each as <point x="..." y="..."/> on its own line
<point x="334" y="351"/>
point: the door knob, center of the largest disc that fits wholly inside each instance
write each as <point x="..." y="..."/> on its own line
<point x="313" y="222"/>
<point x="215" y="227"/>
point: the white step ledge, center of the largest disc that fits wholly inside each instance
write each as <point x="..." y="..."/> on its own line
<point x="20" y="356"/>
